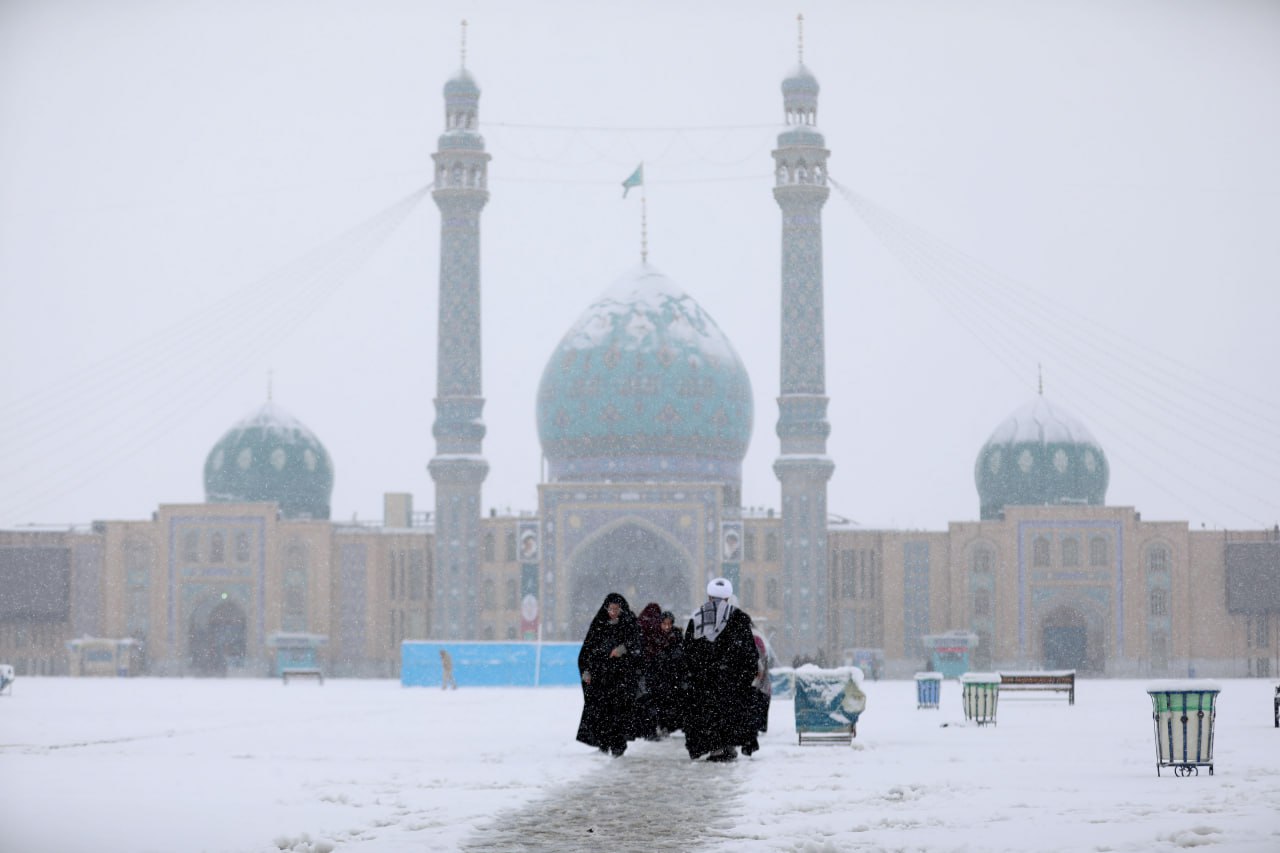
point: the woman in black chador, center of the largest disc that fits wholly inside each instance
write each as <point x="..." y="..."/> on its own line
<point x="609" y="664"/>
<point x="720" y="653"/>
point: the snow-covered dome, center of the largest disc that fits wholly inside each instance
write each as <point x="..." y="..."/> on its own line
<point x="271" y="456"/>
<point x="800" y="102"/>
<point x="800" y="83"/>
<point x="461" y="85"/>
<point x="1040" y="455"/>
<point x="645" y="387"/>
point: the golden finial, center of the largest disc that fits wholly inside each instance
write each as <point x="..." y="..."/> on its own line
<point x="800" y="37"/>
<point x="464" y="44"/>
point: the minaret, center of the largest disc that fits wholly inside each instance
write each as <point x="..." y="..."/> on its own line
<point x="802" y="466"/>
<point x="458" y="468"/>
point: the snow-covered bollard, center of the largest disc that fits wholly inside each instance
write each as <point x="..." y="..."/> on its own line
<point x="828" y="703"/>
<point x="928" y="689"/>
<point x="1183" y="714"/>
<point x="980" y="692"/>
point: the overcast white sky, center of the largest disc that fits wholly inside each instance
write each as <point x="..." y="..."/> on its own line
<point x="1088" y="186"/>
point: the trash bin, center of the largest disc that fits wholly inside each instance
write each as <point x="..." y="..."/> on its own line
<point x="981" y="690"/>
<point x="928" y="689"/>
<point x="1183" y="715"/>
<point x="828" y="703"/>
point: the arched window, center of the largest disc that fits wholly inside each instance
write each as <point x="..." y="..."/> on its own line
<point x="1158" y="559"/>
<point x="191" y="546"/>
<point x="1040" y="553"/>
<point x="490" y="551"/>
<point x="983" y="560"/>
<point x="217" y="548"/>
<point x="1070" y="552"/>
<point x="242" y="547"/>
<point x="1159" y="602"/>
<point x="1159" y="652"/>
<point x="771" y="547"/>
<point x="490" y="596"/>
<point x="981" y="603"/>
<point x="513" y="595"/>
<point x="1098" y="551"/>
<point x="772" y="598"/>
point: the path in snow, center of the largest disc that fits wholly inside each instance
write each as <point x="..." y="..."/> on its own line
<point x="652" y="798"/>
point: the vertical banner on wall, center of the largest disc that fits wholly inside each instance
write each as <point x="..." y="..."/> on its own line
<point x="529" y="551"/>
<point x="731" y="550"/>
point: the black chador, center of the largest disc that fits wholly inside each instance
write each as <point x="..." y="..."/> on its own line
<point x="609" y="665"/>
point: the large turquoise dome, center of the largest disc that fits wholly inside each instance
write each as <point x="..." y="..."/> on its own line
<point x="271" y="456"/>
<point x="645" y="387"/>
<point x="1040" y="455"/>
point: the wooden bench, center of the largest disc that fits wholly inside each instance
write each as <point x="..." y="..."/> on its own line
<point x="301" y="672"/>
<point x="1063" y="681"/>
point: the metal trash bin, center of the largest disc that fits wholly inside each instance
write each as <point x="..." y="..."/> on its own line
<point x="828" y="703"/>
<point x="928" y="689"/>
<point x="1182" y="712"/>
<point x="980" y="692"/>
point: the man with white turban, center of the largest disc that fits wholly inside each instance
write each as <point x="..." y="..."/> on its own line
<point x="720" y="652"/>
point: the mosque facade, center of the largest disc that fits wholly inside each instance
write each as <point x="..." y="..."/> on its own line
<point x="644" y="414"/>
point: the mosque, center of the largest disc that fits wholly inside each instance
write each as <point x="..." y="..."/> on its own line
<point x="644" y="413"/>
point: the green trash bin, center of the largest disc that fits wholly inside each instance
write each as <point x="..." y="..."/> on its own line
<point x="980" y="691"/>
<point x="1183" y="714"/>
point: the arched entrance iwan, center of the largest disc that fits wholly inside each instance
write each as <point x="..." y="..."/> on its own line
<point x="1072" y="636"/>
<point x="216" y="637"/>
<point x="635" y="559"/>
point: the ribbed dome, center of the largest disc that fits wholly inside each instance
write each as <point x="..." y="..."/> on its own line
<point x="271" y="456"/>
<point x="645" y="387"/>
<point x="1040" y="455"/>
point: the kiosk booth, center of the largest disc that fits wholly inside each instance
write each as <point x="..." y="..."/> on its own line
<point x="949" y="653"/>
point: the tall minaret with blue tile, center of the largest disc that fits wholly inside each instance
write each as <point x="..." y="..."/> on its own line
<point x="458" y="467"/>
<point x="802" y="466"/>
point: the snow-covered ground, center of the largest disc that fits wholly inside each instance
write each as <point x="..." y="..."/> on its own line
<point x="125" y="766"/>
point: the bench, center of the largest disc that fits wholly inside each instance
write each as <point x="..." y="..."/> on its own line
<point x="301" y="672"/>
<point x="1060" y="682"/>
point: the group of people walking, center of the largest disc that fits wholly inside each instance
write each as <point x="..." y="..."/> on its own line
<point x="642" y="677"/>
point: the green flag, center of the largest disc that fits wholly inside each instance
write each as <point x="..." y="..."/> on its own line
<point x="636" y="180"/>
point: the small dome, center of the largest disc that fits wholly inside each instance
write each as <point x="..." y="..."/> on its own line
<point x="1040" y="455"/>
<point x="800" y="82"/>
<point x="645" y="387"/>
<point x="271" y="456"/>
<point x="461" y="85"/>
